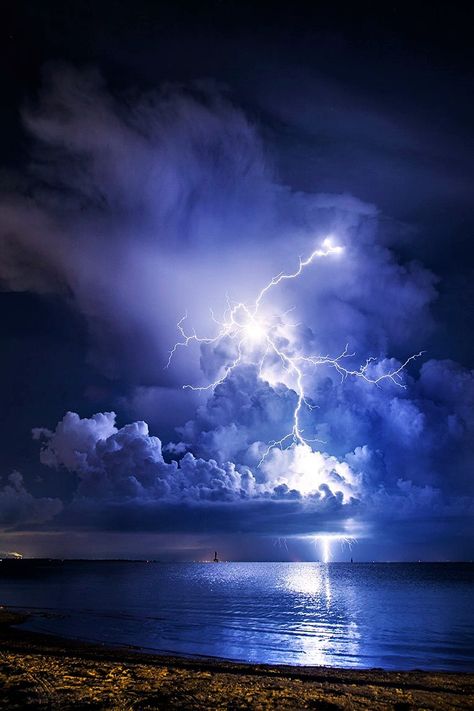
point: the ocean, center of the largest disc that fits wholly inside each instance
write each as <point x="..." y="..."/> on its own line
<point x="387" y="615"/>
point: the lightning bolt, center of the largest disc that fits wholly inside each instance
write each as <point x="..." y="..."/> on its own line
<point x="324" y="543"/>
<point x="244" y="324"/>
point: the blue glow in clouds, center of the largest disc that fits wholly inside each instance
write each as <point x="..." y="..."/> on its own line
<point x="265" y="338"/>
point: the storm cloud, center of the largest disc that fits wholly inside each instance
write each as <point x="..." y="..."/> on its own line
<point x="137" y="208"/>
<point x="140" y="208"/>
<point x="20" y="508"/>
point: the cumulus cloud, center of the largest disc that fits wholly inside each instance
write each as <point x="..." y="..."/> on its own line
<point x="126" y="480"/>
<point x="138" y="208"/>
<point x="73" y="438"/>
<point x="18" y="507"/>
<point x="128" y="463"/>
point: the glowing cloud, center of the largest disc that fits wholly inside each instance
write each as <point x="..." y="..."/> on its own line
<point x="259" y="340"/>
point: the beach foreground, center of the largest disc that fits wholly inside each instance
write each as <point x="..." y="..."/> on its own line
<point x="40" y="671"/>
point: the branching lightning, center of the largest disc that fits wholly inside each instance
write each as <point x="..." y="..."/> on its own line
<point x="245" y="325"/>
<point x="324" y="543"/>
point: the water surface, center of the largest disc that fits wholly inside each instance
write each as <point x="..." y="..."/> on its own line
<point x="394" y="616"/>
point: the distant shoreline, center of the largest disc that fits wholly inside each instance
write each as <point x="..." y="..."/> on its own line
<point x="24" y="560"/>
<point x="37" y="669"/>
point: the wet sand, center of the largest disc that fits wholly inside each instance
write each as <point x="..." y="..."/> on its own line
<point x="45" y="672"/>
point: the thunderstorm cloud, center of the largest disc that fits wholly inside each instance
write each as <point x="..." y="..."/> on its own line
<point x="136" y="209"/>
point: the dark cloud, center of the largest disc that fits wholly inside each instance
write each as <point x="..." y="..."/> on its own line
<point x="20" y="508"/>
<point x="114" y="188"/>
<point x="139" y="206"/>
<point x="125" y="483"/>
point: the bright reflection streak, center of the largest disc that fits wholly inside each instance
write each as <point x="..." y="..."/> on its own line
<point x="332" y="624"/>
<point x="309" y="579"/>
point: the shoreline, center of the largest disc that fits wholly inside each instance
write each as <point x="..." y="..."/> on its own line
<point x="51" y="672"/>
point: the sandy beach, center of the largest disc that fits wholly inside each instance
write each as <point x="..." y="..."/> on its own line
<point x="39" y="671"/>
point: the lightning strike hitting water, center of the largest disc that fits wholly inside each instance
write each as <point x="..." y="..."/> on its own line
<point x="324" y="543"/>
<point x="253" y="333"/>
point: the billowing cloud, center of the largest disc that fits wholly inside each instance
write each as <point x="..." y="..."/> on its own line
<point x="139" y="208"/>
<point x="125" y="480"/>
<point x="127" y="464"/>
<point x="19" y="507"/>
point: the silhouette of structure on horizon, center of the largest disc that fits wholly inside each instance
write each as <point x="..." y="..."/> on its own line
<point x="216" y="559"/>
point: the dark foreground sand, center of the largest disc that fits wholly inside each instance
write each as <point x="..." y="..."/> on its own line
<point x="39" y="671"/>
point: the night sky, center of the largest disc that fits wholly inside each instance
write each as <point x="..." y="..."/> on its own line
<point x="158" y="158"/>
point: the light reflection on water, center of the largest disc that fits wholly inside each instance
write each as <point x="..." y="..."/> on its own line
<point x="392" y="616"/>
<point x="326" y="633"/>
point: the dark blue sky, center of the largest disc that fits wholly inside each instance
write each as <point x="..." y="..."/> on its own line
<point x="159" y="156"/>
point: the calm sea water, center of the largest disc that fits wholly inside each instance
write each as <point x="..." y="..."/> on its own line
<point x="394" y="616"/>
